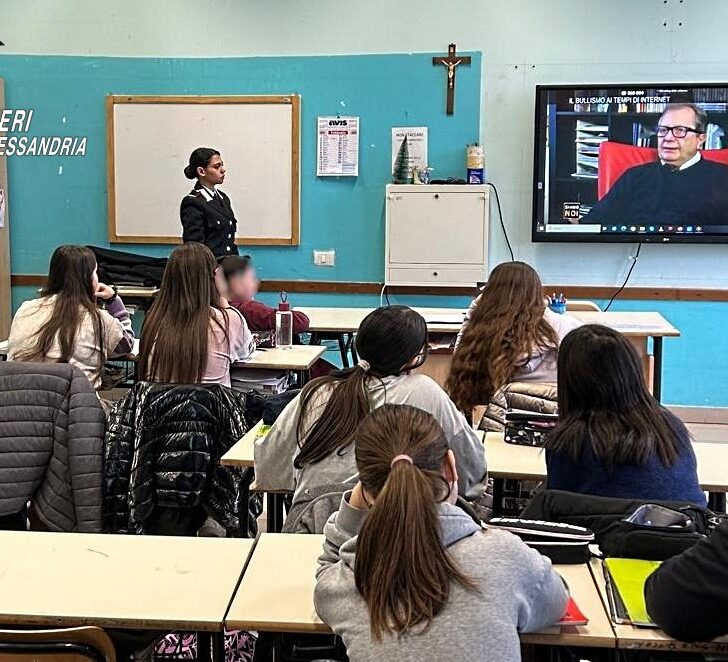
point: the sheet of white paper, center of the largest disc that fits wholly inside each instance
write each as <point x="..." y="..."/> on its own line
<point x="338" y="147"/>
<point x="416" y="144"/>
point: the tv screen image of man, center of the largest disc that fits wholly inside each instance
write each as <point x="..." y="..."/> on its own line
<point x="681" y="188"/>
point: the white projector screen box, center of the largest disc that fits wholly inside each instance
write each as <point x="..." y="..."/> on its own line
<point x="149" y="143"/>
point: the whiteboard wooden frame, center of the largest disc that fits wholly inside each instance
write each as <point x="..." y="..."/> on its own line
<point x="294" y="100"/>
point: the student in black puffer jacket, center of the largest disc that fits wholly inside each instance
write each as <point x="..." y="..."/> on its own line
<point x="162" y="472"/>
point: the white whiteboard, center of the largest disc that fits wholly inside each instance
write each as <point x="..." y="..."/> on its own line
<point x="149" y="143"/>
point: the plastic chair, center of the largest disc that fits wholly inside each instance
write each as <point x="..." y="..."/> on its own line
<point x="67" y="644"/>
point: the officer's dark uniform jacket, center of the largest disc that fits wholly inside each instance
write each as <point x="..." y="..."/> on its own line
<point x="207" y="217"/>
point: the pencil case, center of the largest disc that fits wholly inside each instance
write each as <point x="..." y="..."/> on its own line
<point x="562" y="543"/>
<point x="528" y="428"/>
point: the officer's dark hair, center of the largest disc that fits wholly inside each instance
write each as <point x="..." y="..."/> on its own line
<point x="200" y="158"/>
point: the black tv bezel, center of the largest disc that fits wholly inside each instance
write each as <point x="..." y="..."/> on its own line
<point x="601" y="238"/>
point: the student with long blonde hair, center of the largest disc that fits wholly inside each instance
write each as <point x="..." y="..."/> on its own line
<point x="509" y="335"/>
<point x="76" y="319"/>
<point x="407" y="575"/>
<point x="191" y="335"/>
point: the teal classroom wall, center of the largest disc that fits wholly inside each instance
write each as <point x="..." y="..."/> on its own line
<point x="49" y="207"/>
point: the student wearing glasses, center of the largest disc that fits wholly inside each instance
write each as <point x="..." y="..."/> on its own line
<point x="682" y="188"/>
<point x="311" y="444"/>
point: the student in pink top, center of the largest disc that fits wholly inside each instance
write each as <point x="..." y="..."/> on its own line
<point x="192" y="335"/>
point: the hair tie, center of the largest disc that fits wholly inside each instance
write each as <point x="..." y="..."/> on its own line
<point x="398" y="458"/>
<point x="364" y="365"/>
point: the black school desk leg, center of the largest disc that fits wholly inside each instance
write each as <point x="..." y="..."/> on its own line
<point x="352" y="347"/>
<point x="498" y="484"/>
<point x="275" y="512"/>
<point x="343" y="350"/>
<point x="717" y="502"/>
<point x="211" y="646"/>
<point x="657" y="377"/>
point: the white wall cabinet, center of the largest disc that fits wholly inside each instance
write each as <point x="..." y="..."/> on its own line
<point x="436" y="235"/>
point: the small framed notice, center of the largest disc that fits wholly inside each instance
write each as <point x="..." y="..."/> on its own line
<point x="337" y="147"/>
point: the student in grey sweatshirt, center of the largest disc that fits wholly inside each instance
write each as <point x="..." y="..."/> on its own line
<point x="311" y="443"/>
<point x="407" y="575"/>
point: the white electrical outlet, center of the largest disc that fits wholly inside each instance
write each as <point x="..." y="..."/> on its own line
<point x="324" y="258"/>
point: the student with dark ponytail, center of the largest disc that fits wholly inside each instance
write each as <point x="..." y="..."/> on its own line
<point x="206" y="213"/>
<point x="407" y="575"/>
<point x="312" y="442"/>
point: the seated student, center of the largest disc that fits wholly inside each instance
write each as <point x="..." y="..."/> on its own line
<point x="311" y="443"/>
<point x="242" y="285"/>
<point x="613" y="438"/>
<point x="75" y="320"/>
<point x="407" y="575"/>
<point x="509" y="335"/>
<point x="191" y="335"/>
<point x="688" y="594"/>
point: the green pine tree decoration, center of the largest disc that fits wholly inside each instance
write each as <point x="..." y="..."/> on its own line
<point x="402" y="173"/>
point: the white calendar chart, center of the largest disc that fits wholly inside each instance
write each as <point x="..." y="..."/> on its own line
<point x="337" y="147"/>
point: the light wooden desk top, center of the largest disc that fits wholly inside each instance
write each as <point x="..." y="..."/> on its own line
<point x="242" y="454"/>
<point x="144" y="582"/>
<point x="276" y="594"/>
<point x="298" y="357"/>
<point x="631" y="324"/>
<point x="137" y="292"/>
<point x="597" y="633"/>
<point x="629" y="636"/>
<point x="347" y="320"/>
<point x="529" y="463"/>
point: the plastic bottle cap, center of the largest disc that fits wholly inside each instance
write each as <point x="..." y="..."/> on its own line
<point x="283" y="304"/>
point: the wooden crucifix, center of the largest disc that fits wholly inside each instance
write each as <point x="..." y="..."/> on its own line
<point x="451" y="61"/>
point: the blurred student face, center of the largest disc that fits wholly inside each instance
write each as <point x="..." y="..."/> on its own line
<point x="214" y="173"/>
<point x="676" y="151"/>
<point x="244" y="286"/>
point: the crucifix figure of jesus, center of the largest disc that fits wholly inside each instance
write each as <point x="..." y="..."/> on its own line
<point x="451" y="61"/>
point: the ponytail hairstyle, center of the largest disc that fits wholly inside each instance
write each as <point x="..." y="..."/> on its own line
<point x="174" y="345"/>
<point x="200" y="158"/>
<point x="70" y="280"/>
<point x="402" y="568"/>
<point x="505" y="328"/>
<point x="390" y="341"/>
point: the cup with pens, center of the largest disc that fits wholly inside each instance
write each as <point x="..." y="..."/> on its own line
<point x="557" y="303"/>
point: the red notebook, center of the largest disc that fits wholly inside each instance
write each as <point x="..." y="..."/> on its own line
<point x="573" y="615"/>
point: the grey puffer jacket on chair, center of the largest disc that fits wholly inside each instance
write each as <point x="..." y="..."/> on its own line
<point x="526" y="396"/>
<point x="51" y="445"/>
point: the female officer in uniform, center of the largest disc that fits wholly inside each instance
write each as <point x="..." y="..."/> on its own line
<point x="206" y="214"/>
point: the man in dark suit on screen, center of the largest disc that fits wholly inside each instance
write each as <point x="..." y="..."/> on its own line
<point x="682" y="188"/>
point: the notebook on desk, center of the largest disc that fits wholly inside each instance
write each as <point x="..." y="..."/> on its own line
<point x="625" y="581"/>
<point x="573" y="615"/>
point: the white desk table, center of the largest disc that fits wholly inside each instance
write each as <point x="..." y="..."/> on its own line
<point x="276" y="595"/>
<point x="116" y="581"/>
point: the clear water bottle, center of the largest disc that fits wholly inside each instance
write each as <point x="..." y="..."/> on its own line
<point x="284" y="323"/>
